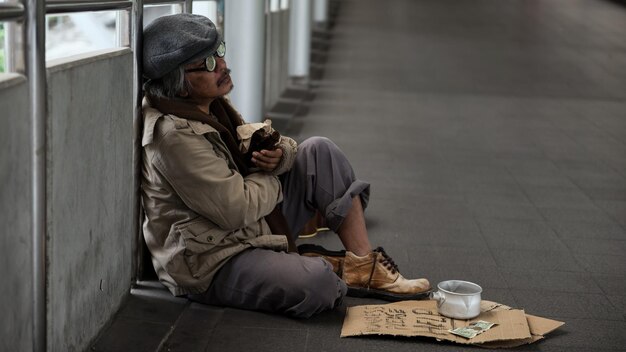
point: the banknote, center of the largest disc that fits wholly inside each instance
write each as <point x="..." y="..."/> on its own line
<point x="475" y="328"/>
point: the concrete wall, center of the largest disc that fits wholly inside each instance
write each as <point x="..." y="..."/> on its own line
<point x="90" y="123"/>
<point x="15" y="193"/>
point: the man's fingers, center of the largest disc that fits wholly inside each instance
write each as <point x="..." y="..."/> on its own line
<point x="264" y="164"/>
<point x="276" y="153"/>
<point x="267" y="160"/>
<point x="267" y="157"/>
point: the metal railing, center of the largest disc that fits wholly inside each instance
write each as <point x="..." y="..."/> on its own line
<point x="83" y="6"/>
<point x="32" y="13"/>
<point x="11" y="12"/>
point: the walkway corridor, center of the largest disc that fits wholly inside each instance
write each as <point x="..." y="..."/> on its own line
<point x="494" y="135"/>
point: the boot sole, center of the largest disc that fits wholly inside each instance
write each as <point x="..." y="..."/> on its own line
<point x="361" y="292"/>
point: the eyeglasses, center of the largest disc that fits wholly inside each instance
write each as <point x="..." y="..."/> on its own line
<point x="210" y="62"/>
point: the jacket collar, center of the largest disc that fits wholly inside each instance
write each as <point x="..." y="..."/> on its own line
<point x="223" y="118"/>
<point x="151" y="115"/>
<point x="150" y="118"/>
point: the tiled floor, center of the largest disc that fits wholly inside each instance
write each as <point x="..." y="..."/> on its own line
<point x="494" y="135"/>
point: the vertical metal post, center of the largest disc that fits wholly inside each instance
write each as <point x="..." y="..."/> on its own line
<point x="9" y="46"/>
<point x="274" y="5"/>
<point x="273" y="52"/>
<point x="300" y="38"/>
<point x="122" y="28"/>
<point x="245" y="55"/>
<point x="284" y="45"/>
<point x="320" y="12"/>
<point x="136" y="20"/>
<point x="36" y="72"/>
<point x="187" y="7"/>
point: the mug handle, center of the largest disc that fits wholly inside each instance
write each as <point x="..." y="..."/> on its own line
<point x="437" y="296"/>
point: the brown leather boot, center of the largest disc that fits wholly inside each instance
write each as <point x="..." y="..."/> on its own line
<point x="335" y="258"/>
<point x="376" y="275"/>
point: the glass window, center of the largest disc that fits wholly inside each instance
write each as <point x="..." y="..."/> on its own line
<point x="152" y="12"/>
<point x="77" y="33"/>
<point x="206" y="8"/>
<point x="2" y="45"/>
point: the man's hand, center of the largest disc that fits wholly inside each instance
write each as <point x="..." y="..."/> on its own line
<point x="267" y="160"/>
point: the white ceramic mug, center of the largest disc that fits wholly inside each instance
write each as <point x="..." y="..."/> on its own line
<point x="458" y="299"/>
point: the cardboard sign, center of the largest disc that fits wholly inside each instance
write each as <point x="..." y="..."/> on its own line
<point x="420" y="318"/>
<point x="538" y="328"/>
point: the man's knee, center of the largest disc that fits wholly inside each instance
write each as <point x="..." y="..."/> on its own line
<point x="316" y="289"/>
<point x="318" y="143"/>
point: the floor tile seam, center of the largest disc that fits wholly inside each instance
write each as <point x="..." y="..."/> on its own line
<point x="574" y="252"/>
<point x="209" y="339"/>
<point x="491" y="252"/>
<point x="616" y="307"/>
<point x="557" y="222"/>
<point x="134" y="318"/>
<point x="590" y="295"/>
<point x="163" y="343"/>
<point x="505" y="217"/>
<point x="526" y="193"/>
<point x="583" y="270"/>
<point x="552" y="270"/>
<point x="162" y="347"/>
<point x="616" y="220"/>
<point x="459" y="246"/>
<point x="266" y="328"/>
<point x="546" y="220"/>
<point x="469" y="249"/>
<point x="539" y="250"/>
<point x="306" y="341"/>
<point x="542" y="289"/>
<point x="505" y="267"/>
<point x="602" y="255"/>
<point x="495" y="233"/>
<point x="515" y="270"/>
<point x="535" y="271"/>
<point x="575" y="345"/>
<point x="487" y="238"/>
<point x="616" y="242"/>
<point x="500" y="247"/>
<point x="571" y="179"/>
<point x="599" y="126"/>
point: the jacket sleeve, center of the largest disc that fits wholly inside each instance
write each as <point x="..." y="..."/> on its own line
<point x="290" y="148"/>
<point x="208" y="186"/>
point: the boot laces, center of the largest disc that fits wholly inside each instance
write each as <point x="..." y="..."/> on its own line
<point x="386" y="260"/>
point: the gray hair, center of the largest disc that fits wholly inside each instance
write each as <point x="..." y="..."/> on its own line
<point x="168" y="86"/>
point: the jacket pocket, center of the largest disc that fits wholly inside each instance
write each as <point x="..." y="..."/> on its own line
<point x="202" y="241"/>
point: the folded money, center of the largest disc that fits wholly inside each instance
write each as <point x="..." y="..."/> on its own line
<point x="475" y="328"/>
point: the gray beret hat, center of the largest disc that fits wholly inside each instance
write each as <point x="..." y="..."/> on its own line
<point x="175" y="40"/>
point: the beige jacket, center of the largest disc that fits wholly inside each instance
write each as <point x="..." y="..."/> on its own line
<point x="199" y="210"/>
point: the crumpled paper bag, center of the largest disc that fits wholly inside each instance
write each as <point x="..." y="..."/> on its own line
<point x="245" y="132"/>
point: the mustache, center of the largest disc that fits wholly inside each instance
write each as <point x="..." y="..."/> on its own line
<point x="225" y="75"/>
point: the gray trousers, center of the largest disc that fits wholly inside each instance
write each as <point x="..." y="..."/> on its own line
<point x="321" y="180"/>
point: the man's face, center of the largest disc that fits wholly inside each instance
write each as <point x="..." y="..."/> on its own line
<point x="205" y="85"/>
